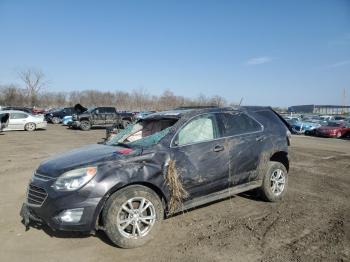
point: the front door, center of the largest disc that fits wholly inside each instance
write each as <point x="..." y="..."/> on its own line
<point x="110" y="116"/>
<point x="201" y="158"/>
<point x="98" y="116"/>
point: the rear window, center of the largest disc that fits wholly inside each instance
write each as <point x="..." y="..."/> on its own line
<point x="237" y="123"/>
<point x="269" y="119"/>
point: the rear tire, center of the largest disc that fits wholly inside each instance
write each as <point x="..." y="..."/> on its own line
<point x="275" y="182"/>
<point x="339" y="135"/>
<point x="85" y="125"/>
<point x="126" y="225"/>
<point x="30" y="127"/>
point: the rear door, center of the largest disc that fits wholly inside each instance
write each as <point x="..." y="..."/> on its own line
<point x="245" y="139"/>
<point x="201" y="158"/>
<point x="17" y="121"/>
<point x="111" y="115"/>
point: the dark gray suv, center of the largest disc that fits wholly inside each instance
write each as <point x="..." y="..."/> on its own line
<point x="163" y="164"/>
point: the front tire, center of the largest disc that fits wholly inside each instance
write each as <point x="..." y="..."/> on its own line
<point x="85" y="125"/>
<point x="30" y="127"/>
<point x="275" y="182"/>
<point x="55" y="120"/>
<point x="132" y="216"/>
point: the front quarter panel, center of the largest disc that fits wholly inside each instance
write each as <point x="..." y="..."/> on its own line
<point x="147" y="169"/>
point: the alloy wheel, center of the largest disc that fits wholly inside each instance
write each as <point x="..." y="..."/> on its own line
<point x="278" y="181"/>
<point x="30" y="127"/>
<point x="136" y="217"/>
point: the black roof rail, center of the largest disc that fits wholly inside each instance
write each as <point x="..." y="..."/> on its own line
<point x="194" y="107"/>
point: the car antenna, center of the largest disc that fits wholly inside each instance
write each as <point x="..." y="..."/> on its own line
<point x="240" y="102"/>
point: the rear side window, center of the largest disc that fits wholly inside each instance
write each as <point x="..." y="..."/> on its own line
<point x="270" y="120"/>
<point x="199" y="129"/>
<point x="109" y="110"/>
<point x="236" y="124"/>
<point x="18" y="115"/>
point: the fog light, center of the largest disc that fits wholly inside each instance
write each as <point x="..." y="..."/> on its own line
<point x="71" y="215"/>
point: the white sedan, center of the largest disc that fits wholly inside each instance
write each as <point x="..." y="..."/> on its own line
<point x="20" y="120"/>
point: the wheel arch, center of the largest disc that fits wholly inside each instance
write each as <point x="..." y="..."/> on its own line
<point x="282" y="157"/>
<point x="30" y="122"/>
<point x="98" y="222"/>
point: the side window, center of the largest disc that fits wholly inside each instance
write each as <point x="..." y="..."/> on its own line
<point x="237" y="123"/>
<point x="102" y="110"/>
<point x="201" y="128"/>
<point x="110" y="110"/>
<point x="97" y="111"/>
<point x="18" y="115"/>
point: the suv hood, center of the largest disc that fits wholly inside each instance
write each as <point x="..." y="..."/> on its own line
<point x="79" y="108"/>
<point x="87" y="155"/>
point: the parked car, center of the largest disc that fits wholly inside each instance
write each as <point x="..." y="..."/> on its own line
<point x="4" y="120"/>
<point x="18" y="108"/>
<point x="333" y="129"/>
<point x="102" y="117"/>
<point x="20" y="120"/>
<point x="163" y="164"/>
<point x="56" y="117"/>
<point x="305" y="127"/>
<point x="327" y="118"/>
<point x="67" y="120"/>
<point x="38" y="111"/>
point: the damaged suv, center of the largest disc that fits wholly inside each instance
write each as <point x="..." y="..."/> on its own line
<point x="161" y="165"/>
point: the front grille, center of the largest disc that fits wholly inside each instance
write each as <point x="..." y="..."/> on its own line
<point x="36" y="195"/>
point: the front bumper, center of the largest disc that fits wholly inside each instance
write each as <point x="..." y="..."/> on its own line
<point x="41" y="124"/>
<point x="324" y="134"/>
<point x="75" y="124"/>
<point x="48" y="212"/>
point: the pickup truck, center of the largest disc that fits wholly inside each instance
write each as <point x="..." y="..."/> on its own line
<point x="102" y="117"/>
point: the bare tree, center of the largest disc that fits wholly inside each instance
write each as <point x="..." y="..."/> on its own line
<point x="34" y="81"/>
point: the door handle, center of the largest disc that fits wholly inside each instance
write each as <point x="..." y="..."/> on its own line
<point x="218" y="148"/>
<point x="260" y="138"/>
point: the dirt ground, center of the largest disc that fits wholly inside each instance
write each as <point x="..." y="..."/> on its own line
<point x="311" y="224"/>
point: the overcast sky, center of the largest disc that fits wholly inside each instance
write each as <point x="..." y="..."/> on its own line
<point x="275" y="53"/>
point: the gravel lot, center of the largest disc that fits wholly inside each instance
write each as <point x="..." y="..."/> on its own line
<point x="311" y="224"/>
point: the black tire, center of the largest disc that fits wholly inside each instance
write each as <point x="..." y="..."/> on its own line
<point x="30" y="127"/>
<point x="267" y="189"/>
<point x="113" y="210"/>
<point x="55" y="120"/>
<point x="85" y="125"/>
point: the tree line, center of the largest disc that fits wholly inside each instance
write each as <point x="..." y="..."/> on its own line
<point x="136" y="100"/>
<point x="34" y="93"/>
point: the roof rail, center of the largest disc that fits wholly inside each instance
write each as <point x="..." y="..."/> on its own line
<point x="195" y="107"/>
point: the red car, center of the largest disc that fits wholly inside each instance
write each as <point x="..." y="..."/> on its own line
<point x="333" y="129"/>
<point x="37" y="110"/>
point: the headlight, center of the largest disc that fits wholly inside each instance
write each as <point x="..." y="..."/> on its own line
<point x="75" y="179"/>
